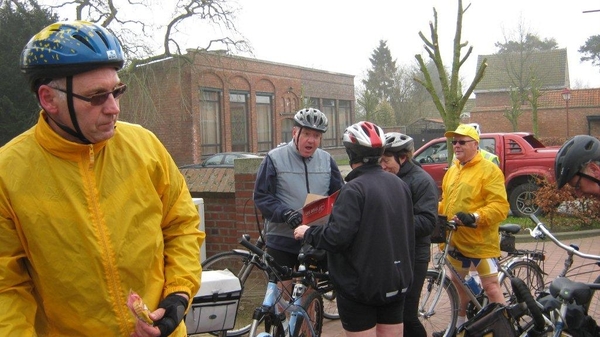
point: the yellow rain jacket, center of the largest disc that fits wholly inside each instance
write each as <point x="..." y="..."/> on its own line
<point x="81" y="225"/>
<point x="476" y="187"/>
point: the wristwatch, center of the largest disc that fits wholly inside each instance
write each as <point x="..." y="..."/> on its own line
<point x="476" y="216"/>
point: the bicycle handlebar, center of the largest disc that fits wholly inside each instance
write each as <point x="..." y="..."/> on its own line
<point x="283" y="271"/>
<point x="541" y="232"/>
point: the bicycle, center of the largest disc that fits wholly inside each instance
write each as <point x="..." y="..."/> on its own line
<point x="540" y="232"/>
<point x="525" y="264"/>
<point x="438" y="308"/>
<point x="301" y="314"/>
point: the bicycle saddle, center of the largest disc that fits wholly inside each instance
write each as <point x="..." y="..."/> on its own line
<point x="569" y="290"/>
<point x="510" y="228"/>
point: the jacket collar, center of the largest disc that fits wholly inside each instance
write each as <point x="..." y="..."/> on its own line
<point x="60" y="147"/>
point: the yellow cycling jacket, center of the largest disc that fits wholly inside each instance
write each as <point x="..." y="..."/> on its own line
<point x="477" y="186"/>
<point x="81" y="225"/>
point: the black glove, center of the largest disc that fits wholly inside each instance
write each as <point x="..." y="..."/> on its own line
<point x="174" y="306"/>
<point x="292" y="218"/>
<point x="466" y="218"/>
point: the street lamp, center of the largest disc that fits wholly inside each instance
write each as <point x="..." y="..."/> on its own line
<point x="566" y="95"/>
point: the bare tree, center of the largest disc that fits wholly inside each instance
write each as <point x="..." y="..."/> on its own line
<point x="524" y="75"/>
<point x="453" y="99"/>
<point x="136" y="24"/>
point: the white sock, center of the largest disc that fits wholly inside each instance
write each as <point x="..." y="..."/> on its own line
<point x="460" y="321"/>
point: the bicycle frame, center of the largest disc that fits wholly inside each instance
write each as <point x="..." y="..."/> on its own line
<point x="442" y="260"/>
<point x="274" y="307"/>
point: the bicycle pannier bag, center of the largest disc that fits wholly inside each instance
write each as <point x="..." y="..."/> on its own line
<point x="214" y="308"/>
<point x="507" y="243"/>
<point x="491" y="321"/>
<point x="439" y="231"/>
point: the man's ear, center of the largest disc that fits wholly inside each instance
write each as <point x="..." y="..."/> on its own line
<point x="49" y="99"/>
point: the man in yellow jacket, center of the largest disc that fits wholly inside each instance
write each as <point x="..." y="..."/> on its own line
<point x="90" y="208"/>
<point x="473" y="192"/>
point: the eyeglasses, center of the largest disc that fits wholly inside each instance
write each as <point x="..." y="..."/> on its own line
<point x="99" y="99"/>
<point x="461" y="142"/>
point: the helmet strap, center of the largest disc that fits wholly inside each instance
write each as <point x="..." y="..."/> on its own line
<point x="298" y="137"/>
<point x="77" y="132"/>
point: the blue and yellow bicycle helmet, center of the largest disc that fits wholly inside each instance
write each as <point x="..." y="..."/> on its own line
<point x="65" y="49"/>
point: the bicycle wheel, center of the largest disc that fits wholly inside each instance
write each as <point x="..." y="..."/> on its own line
<point x="253" y="280"/>
<point x="313" y="304"/>
<point x="438" y="307"/>
<point x="526" y="270"/>
<point x="330" y="310"/>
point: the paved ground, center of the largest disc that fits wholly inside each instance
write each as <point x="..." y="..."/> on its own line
<point x="553" y="265"/>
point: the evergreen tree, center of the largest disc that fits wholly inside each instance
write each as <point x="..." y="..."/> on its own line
<point x="380" y="78"/>
<point x="591" y="50"/>
<point x="19" y="21"/>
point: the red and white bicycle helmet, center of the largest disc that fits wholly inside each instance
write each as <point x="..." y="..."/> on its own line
<point x="397" y="142"/>
<point x="573" y="155"/>
<point x="364" y="142"/>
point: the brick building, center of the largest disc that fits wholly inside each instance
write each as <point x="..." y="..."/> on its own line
<point x="554" y="118"/>
<point x="548" y="71"/>
<point x="206" y="102"/>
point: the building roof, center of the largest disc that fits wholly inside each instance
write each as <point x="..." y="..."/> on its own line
<point x="210" y="180"/>
<point x="550" y="67"/>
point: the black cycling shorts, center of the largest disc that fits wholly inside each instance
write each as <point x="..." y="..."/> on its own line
<point x="284" y="258"/>
<point x="357" y="317"/>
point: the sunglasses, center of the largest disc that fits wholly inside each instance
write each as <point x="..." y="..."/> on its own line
<point x="461" y="142"/>
<point x="99" y="99"/>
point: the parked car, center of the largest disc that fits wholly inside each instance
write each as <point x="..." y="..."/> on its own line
<point x="224" y="159"/>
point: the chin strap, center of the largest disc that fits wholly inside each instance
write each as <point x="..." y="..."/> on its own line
<point x="77" y="132"/>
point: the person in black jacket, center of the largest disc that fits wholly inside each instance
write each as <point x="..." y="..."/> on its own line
<point x="397" y="159"/>
<point x="369" y="239"/>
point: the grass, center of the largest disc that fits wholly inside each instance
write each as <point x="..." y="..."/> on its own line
<point x="562" y="223"/>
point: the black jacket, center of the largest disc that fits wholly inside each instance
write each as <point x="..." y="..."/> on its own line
<point x="370" y="237"/>
<point x="425" y="199"/>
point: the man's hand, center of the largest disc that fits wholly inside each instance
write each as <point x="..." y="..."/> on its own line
<point x="174" y="306"/>
<point x="299" y="232"/>
<point x="467" y="219"/>
<point x="292" y="218"/>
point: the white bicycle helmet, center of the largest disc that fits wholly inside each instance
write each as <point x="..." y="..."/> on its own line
<point x="364" y="142"/>
<point x="573" y="155"/>
<point x="397" y="142"/>
<point x="311" y="118"/>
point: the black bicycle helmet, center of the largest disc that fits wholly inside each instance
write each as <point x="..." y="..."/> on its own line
<point x="311" y="118"/>
<point x="65" y="49"/>
<point x="364" y="142"/>
<point x="573" y="154"/>
<point x="397" y="142"/>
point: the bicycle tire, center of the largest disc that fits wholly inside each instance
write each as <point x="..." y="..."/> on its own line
<point x="313" y="305"/>
<point x="330" y="310"/>
<point x="526" y="270"/>
<point x="254" y="285"/>
<point x="442" y="316"/>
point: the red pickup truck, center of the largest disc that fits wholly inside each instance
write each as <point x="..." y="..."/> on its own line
<point x="522" y="157"/>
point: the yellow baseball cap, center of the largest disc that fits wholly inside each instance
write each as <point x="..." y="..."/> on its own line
<point x="463" y="130"/>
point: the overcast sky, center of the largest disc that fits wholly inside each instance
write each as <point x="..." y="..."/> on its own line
<point x="340" y="35"/>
